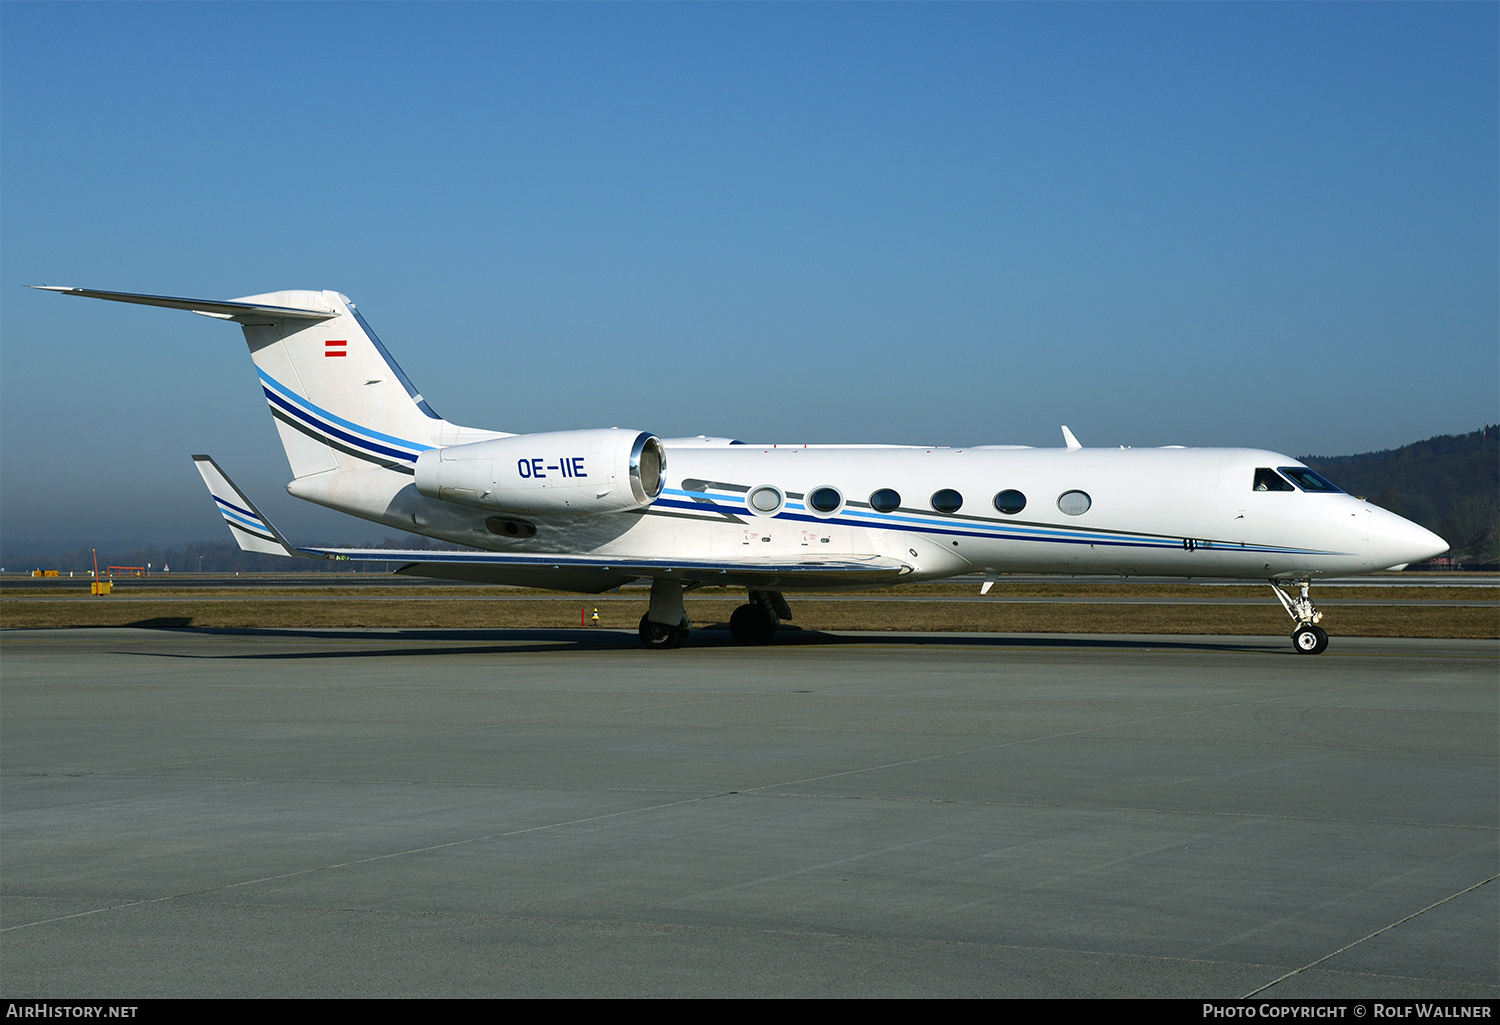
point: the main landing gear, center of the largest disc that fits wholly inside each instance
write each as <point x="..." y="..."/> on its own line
<point x="752" y="624"/>
<point x="660" y="635"/>
<point x="756" y="622"/>
<point x="1308" y="638"/>
<point x="665" y="624"/>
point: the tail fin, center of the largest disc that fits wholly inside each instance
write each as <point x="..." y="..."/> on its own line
<point x="340" y="401"/>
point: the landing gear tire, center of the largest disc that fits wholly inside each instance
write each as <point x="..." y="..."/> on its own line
<point x="1310" y="640"/>
<point x="752" y="624"/>
<point x="1307" y="638"/>
<point x="660" y="635"/>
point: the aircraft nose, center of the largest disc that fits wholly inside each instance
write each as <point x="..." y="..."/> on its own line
<point x="1395" y="540"/>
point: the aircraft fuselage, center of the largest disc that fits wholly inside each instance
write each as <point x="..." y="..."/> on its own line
<point x="1159" y="511"/>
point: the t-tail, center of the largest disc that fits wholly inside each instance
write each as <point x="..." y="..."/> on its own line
<point x="339" y="399"/>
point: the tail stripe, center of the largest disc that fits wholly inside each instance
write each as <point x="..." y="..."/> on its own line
<point x="320" y="420"/>
<point x="328" y="433"/>
<point x="323" y="439"/>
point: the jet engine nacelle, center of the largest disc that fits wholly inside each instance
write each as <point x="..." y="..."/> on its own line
<point x="601" y="471"/>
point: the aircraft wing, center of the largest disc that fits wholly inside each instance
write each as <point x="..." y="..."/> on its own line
<point x="255" y="533"/>
<point x="508" y="567"/>
<point x="252" y="530"/>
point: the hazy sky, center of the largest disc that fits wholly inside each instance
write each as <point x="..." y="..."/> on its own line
<point x="1269" y="225"/>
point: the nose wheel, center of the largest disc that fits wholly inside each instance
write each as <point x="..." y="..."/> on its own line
<point x="1308" y="638"/>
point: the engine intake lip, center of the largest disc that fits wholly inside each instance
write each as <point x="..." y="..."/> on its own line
<point x="648" y="468"/>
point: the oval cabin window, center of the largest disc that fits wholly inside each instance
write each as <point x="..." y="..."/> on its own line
<point x="1074" y="503"/>
<point x="947" y="501"/>
<point x="825" y="500"/>
<point x="765" y="500"/>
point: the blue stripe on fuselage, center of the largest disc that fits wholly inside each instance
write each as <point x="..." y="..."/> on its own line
<point x="976" y="529"/>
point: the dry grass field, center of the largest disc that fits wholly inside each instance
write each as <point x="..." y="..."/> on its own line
<point x="942" y="608"/>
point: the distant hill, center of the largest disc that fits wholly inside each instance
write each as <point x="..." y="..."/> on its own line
<point x="1449" y="484"/>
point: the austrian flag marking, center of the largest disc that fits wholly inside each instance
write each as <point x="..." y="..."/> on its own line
<point x="335" y="347"/>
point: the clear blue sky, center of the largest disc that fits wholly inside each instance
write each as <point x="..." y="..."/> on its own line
<point x="1269" y="225"/>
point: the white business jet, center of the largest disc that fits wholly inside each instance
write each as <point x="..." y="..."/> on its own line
<point x="589" y="510"/>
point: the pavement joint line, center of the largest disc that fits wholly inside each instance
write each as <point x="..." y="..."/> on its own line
<point x="366" y="861"/>
<point x="987" y="747"/>
<point x="1355" y="896"/>
<point x="794" y="873"/>
<point x="142" y="771"/>
<point x="638" y="924"/>
<point x="1377" y="932"/>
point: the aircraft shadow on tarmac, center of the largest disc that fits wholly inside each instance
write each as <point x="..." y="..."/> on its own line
<point x="521" y="641"/>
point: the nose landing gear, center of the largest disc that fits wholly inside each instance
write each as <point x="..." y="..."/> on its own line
<point x="1308" y="638"/>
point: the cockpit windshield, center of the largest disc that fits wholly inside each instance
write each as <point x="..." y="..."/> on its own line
<point x="1267" y="479"/>
<point x="1307" y="480"/>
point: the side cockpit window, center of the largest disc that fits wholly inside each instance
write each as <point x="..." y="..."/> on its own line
<point x="1307" y="480"/>
<point x="1267" y="479"/>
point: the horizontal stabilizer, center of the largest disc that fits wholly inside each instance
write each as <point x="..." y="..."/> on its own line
<point x="209" y="307"/>
<point x="252" y="530"/>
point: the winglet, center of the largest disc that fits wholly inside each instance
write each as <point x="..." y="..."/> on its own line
<point x="252" y="530"/>
<point x="1072" y="442"/>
